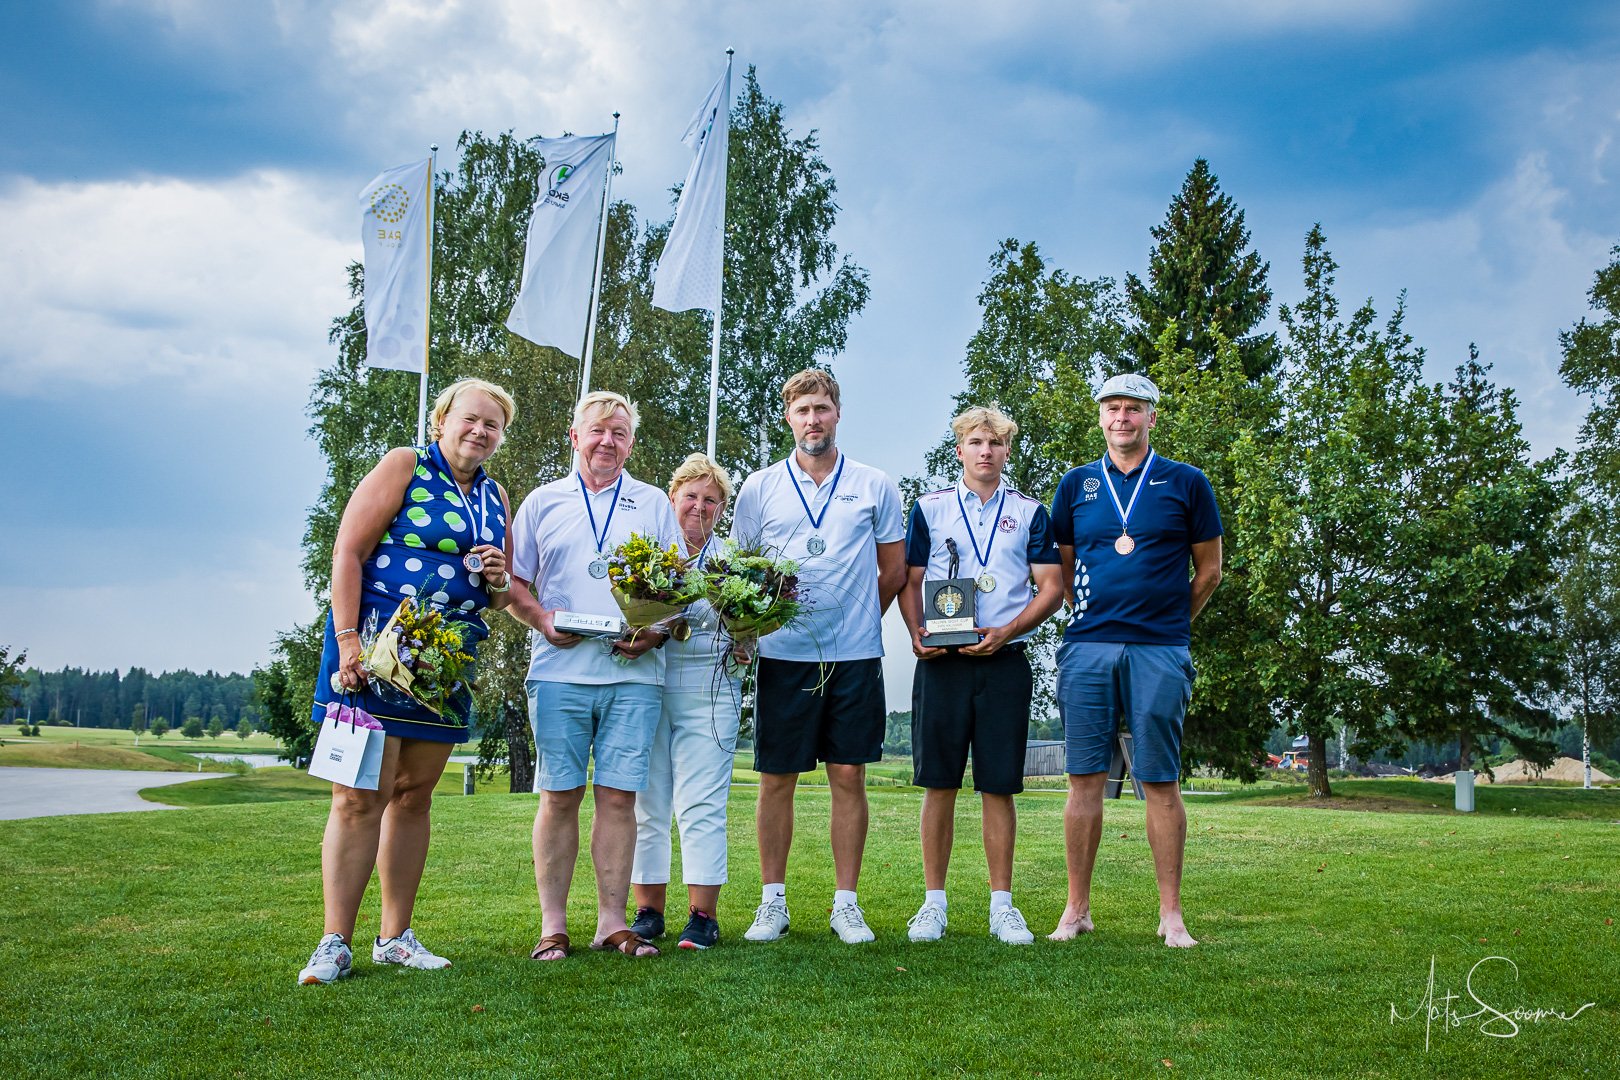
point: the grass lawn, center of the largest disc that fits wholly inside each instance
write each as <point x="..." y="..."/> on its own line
<point x="167" y="945"/>
<point x="1543" y="798"/>
<point x="58" y="755"/>
<point x="228" y="743"/>
<point x="279" y="783"/>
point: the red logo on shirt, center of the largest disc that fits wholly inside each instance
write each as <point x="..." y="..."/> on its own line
<point x="1008" y="524"/>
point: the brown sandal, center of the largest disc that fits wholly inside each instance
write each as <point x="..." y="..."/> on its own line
<point x="628" y="943"/>
<point x="552" y="943"/>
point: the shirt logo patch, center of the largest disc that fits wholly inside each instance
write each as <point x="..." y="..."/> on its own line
<point x="1092" y="484"/>
<point x="1008" y="524"/>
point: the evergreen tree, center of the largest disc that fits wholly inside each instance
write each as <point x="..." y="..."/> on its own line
<point x="1203" y="282"/>
<point x="1475" y="657"/>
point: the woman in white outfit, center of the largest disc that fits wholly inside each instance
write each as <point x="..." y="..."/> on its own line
<point x="696" y="739"/>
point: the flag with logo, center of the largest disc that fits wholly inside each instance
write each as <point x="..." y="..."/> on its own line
<point x="554" y="300"/>
<point x="689" y="270"/>
<point x="394" y="227"/>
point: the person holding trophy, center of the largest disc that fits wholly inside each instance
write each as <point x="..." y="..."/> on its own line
<point x="983" y="573"/>
<point x="427" y="524"/>
<point x="595" y="688"/>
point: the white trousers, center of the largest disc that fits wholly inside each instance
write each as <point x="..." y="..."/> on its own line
<point x="690" y="777"/>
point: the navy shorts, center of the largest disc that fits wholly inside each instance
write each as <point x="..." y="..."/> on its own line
<point x="805" y="712"/>
<point x="1101" y="683"/>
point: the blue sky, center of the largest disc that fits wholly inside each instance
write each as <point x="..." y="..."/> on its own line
<point x="178" y="184"/>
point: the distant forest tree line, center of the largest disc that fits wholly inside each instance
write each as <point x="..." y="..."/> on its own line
<point x="75" y="697"/>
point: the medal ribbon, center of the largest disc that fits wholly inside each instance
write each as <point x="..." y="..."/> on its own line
<point x="984" y="560"/>
<point x="479" y="485"/>
<point x="1125" y="511"/>
<point x="586" y="495"/>
<point x="815" y="522"/>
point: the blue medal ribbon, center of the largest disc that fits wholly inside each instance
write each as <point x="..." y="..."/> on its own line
<point x="984" y="560"/>
<point x="1125" y="510"/>
<point x="815" y="522"/>
<point x="600" y="538"/>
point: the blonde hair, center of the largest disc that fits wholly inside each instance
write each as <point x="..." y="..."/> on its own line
<point x="1000" y="424"/>
<point x="698" y="467"/>
<point x="811" y="381"/>
<point x="447" y="401"/>
<point x="601" y="404"/>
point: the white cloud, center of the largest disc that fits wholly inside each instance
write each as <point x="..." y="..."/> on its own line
<point x="226" y="284"/>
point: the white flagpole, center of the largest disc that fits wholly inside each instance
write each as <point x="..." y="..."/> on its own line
<point x="427" y="331"/>
<point x="601" y="248"/>
<point x="714" y="342"/>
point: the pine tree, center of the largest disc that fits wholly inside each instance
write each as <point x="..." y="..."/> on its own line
<point x="1203" y="280"/>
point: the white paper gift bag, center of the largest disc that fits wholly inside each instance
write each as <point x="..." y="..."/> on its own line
<point x="350" y="747"/>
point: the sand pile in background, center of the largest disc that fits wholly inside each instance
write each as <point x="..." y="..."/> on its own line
<point x="1521" y="771"/>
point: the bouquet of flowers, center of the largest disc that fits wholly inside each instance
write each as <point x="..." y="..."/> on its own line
<point x="420" y="654"/>
<point x="651" y="583"/>
<point x="753" y="593"/>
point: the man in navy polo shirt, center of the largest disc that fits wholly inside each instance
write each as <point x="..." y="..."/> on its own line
<point x="1126" y="527"/>
<point x="976" y="697"/>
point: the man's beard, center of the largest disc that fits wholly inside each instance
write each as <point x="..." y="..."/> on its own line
<point x="815" y="447"/>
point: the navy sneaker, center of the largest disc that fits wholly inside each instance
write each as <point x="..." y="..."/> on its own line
<point x="702" y="931"/>
<point x="649" y="923"/>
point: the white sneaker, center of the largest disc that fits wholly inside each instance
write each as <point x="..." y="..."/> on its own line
<point x="770" y="920"/>
<point x="1008" y="926"/>
<point x="849" y="923"/>
<point x="928" y="924"/>
<point x="331" y="961"/>
<point x="406" y="950"/>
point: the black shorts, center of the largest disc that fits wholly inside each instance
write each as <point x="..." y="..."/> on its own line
<point x="971" y="702"/>
<point x="796" y="724"/>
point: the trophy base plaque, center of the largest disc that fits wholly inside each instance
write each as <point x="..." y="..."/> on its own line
<point x="948" y="613"/>
<point x="587" y="625"/>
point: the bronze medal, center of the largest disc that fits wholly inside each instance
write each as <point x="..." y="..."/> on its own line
<point x="1124" y="545"/>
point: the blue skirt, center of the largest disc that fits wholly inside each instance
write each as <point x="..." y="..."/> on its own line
<point x="398" y="716"/>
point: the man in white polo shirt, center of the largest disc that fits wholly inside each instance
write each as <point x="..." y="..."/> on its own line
<point x="584" y="699"/>
<point x="976" y="697"/>
<point x="819" y="695"/>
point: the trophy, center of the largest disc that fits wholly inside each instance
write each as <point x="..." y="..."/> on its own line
<point x="948" y="607"/>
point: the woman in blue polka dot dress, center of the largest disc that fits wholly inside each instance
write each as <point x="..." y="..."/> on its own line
<point x="426" y="522"/>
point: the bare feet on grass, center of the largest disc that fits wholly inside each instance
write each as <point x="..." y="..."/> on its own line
<point x="1072" y="925"/>
<point x="1174" y="932"/>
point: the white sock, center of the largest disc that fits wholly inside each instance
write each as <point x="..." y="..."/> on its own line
<point x="842" y="897"/>
<point x="999" y="900"/>
<point x="934" y="896"/>
<point x="773" y="891"/>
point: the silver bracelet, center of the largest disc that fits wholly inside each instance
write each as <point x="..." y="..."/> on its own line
<point x="345" y="630"/>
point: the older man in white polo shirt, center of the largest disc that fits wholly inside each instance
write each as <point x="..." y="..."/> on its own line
<point x="588" y="697"/>
<point x="819" y="695"/>
<point x="976" y="697"/>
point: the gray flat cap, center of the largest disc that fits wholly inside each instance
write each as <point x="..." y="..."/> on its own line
<point x="1131" y="386"/>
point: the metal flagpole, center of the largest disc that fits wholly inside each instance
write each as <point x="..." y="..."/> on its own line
<point x="719" y="297"/>
<point x="427" y="309"/>
<point x="601" y="248"/>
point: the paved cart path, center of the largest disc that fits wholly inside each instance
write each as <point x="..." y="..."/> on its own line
<point x="27" y="793"/>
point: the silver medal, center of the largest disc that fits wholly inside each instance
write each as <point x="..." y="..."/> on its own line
<point x="815" y="545"/>
<point x="985" y="583"/>
<point x="598" y="568"/>
<point x="1124" y="545"/>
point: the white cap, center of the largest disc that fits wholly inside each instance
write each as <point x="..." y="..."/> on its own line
<point x="1131" y="386"/>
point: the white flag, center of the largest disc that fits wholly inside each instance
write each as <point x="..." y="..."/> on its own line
<point x="689" y="270"/>
<point x="394" y="226"/>
<point x="554" y="301"/>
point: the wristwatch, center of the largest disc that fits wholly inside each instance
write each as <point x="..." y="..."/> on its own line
<point x="505" y="585"/>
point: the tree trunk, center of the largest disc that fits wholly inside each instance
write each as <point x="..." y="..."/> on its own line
<point x="1316" y="770"/>
<point x="1465" y="750"/>
<point x="519" y="751"/>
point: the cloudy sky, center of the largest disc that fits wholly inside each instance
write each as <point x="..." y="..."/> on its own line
<point x="178" y="182"/>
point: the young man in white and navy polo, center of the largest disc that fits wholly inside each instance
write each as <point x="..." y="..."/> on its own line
<point x="819" y="695"/>
<point x="1128" y="527"/>
<point x="976" y="697"/>
<point x="583" y="701"/>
